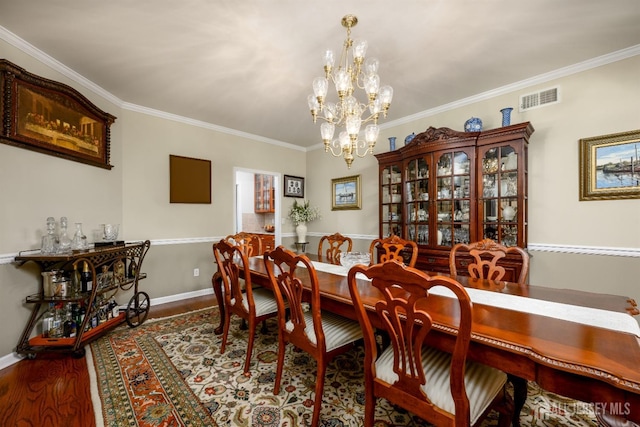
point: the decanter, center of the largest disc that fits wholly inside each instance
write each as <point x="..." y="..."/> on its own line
<point x="64" y="242"/>
<point x="79" y="242"/>
<point x="50" y="240"/>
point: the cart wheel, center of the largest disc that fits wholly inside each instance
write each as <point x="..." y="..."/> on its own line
<point x="138" y="309"/>
<point x="79" y="354"/>
<point x="31" y="356"/>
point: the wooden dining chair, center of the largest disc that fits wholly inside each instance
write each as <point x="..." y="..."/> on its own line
<point x="439" y="387"/>
<point x="249" y="243"/>
<point x="486" y="254"/>
<point x="320" y="333"/>
<point x="336" y="244"/>
<point x="251" y="305"/>
<point x="392" y="248"/>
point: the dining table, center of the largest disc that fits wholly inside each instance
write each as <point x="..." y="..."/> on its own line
<point x="578" y="344"/>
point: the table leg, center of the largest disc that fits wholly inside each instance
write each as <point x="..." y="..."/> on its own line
<point x="216" y="283"/>
<point x="519" y="397"/>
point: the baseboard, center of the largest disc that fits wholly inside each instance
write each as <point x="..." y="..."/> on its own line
<point x="10" y="359"/>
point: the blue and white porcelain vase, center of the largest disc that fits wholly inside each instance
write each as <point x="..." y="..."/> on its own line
<point x="474" y="124"/>
<point x="409" y="138"/>
<point x="392" y="143"/>
<point x="506" y="116"/>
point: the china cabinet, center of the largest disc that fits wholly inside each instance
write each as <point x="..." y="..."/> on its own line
<point x="447" y="187"/>
<point x="264" y="196"/>
<point x="90" y="305"/>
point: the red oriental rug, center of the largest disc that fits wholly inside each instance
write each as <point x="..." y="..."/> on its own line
<point x="169" y="372"/>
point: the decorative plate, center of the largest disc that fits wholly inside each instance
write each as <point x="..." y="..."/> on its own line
<point x="474" y="124"/>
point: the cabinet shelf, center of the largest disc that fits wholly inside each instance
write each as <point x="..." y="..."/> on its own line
<point x="38" y="298"/>
<point x="42" y="341"/>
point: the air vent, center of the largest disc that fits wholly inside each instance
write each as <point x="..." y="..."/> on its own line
<point x="539" y="99"/>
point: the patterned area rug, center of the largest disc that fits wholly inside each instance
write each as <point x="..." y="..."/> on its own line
<point x="169" y="372"/>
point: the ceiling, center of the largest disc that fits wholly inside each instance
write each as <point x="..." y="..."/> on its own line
<point x="248" y="65"/>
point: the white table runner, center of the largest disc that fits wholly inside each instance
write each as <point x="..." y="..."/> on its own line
<point x="617" y="321"/>
<point x="613" y="320"/>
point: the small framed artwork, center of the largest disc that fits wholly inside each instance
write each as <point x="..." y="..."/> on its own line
<point x="52" y="118"/>
<point x="610" y="166"/>
<point x="293" y="186"/>
<point x="345" y="193"/>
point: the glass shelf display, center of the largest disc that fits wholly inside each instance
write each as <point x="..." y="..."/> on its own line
<point x="499" y="198"/>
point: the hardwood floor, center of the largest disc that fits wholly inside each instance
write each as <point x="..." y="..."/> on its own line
<point x="53" y="389"/>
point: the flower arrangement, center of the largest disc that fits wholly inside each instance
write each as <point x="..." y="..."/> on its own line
<point x="302" y="212"/>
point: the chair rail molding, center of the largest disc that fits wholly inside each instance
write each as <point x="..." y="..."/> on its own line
<point x="533" y="247"/>
<point x="585" y="250"/>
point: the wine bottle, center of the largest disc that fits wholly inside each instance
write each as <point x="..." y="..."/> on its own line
<point x="86" y="278"/>
<point x="76" y="281"/>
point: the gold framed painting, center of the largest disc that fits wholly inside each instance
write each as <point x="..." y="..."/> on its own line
<point x="610" y="166"/>
<point x="345" y="193"/>
<point x="52" y="118"/>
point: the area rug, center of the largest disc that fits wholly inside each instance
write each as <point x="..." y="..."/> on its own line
<point x="169" y="372"/>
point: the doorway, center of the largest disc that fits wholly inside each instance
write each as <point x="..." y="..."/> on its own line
<point x="246" y="217"/>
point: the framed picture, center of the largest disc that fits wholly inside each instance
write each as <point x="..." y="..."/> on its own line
<point x="345" y="193"/>
<point x="610" y="166"/>
<point x="189" y="180"/>
<point x="52" y="118"/>
<point x="293" y="186"/>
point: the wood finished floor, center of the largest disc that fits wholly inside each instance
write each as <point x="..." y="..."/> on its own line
<point x="53" y="389"/>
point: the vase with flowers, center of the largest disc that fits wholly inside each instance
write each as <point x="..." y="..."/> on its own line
<point x="300" y="214"/>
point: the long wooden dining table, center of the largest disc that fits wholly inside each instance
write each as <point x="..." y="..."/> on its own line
<point x="588" y="363"/>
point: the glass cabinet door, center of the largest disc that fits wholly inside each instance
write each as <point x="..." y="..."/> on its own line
<point x="499" y="195"/>
<point x="391" y="207"/>
<point x="453" y="197"/>
<point x="417" y="201"/>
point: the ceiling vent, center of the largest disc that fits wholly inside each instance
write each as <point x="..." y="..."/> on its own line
<point x="539" y="99"/>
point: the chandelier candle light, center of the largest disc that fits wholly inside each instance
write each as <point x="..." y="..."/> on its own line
<point x="347" y="112"/>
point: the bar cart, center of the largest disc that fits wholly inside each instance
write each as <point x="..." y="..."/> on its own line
<point x="108" y="269"/>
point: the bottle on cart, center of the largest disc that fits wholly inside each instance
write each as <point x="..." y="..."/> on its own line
<point x="115" y="310"/>
<point x="86" y="278"/>
<point x="82" y="312"/>
<point x="47" y="320"/>
<point x="79" y="242"/>
<point x="64" y="242"/>
<point x="76" y="281"/>
<point x="56" y="325"/>
<point x="50" y="240"/>
<point x="69" y="326"/>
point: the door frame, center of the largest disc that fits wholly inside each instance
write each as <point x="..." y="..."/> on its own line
<point x="277" y="179"/>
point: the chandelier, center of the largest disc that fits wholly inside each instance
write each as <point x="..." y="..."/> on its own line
<point x="350" y="73"/>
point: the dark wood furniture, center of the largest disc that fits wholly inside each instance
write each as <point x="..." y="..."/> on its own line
<point x="486" y="255"/>
<point x="107" y="258"/>
<point x="428" y="382"/>
<point x="579" y="361"/>
<point x="323" y="334"/>
<point x="252" y="305"/>
<point x="336" y="246"/>
<point x="264" y="194"/>
<point x="394" y="248"/>
<point x="447" y="187"/>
